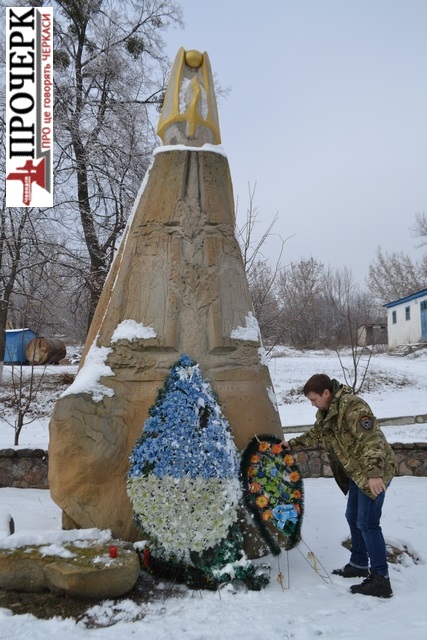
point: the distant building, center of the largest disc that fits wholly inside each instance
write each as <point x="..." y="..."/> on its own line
<point x="407" y="320"/>
<point x="372" y="334"/>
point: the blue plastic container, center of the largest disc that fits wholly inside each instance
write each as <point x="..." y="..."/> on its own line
<point x="16" y="344"/>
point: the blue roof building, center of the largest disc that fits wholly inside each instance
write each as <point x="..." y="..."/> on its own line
<point x="407" y="320"/>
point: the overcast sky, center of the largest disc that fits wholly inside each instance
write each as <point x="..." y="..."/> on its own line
<point x="327" y="114"/>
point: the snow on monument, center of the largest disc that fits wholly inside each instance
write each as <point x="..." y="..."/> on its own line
<point x="177" y="286"/>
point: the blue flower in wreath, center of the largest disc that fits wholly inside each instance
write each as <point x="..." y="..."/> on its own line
<point x="186" y="433"/>
<point x="285" y="513"/>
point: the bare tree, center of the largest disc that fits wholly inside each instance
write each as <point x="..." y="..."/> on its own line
<point x="17" y="253"/>
<point x="29" y="394"/>
<point x="252" y="245"/>
<point x="24" y="387"/>
<point x="300" y="292"/>
<point x="420" y="228"/>
<point x="396" y="275"/>
<point x="262" y="287"/>
<point x="109" y="68"/>
<point x="43" y="294"/>
<point x="262" y="275"/>
<point x="350" y="309"/>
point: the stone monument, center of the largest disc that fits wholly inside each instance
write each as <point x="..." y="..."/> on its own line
<point x="177" y="285"/>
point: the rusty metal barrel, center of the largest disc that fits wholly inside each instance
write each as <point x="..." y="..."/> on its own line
<point x="45" y="351"/>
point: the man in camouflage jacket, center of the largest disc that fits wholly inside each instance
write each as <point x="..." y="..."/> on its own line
<point x="363" y="465"/>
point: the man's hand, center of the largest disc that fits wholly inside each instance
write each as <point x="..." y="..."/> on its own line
<point x="377" y="486"/>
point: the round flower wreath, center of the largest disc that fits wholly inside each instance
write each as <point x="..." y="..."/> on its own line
<point x="273" y="491"/>
<point x="183" y="480"/>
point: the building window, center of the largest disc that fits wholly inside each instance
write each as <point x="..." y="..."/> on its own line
<point x="407" y="313"/>
<point x="393" y="317"/>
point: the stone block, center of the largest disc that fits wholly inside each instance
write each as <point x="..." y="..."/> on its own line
<point x="108" y="578"/>
<point x="89" y="573"/>
<point x="20" y="571"/>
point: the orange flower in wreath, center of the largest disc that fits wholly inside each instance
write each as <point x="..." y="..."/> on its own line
<point x="263" y="446"/>
<point x="254" y="487"/>
<point x="251" y="472"/>
<point x="297" y="494"/>
<point x="267" y="514"/>
<point x="262" y="501"/>
<point x="255" y="458"/>
<point x="294" y="476"/>
<point x="297" y="508"/>
<point x="289" y="460"/>
<point x="276" y="448"/>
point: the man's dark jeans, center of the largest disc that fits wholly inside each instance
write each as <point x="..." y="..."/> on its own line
<point x="367" y="541"/>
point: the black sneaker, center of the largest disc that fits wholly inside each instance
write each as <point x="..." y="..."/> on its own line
<point x="350" y="571"/>
<point x="374" y="585"/>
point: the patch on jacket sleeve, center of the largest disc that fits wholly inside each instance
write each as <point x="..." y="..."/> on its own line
<point x="366" y="422"/>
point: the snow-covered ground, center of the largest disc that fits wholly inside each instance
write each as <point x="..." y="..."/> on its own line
<point x="396" y="385"/>
<point x="308" y="604"/>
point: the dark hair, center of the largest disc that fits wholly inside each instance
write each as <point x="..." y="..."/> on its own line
<point x="317" y="384"/>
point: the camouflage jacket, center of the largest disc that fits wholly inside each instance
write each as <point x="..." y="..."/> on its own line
<point x="350" y="435"/>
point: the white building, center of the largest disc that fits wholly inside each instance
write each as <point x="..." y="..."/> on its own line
<point x="371" y="334"/>
<point x="407" y="320"/>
